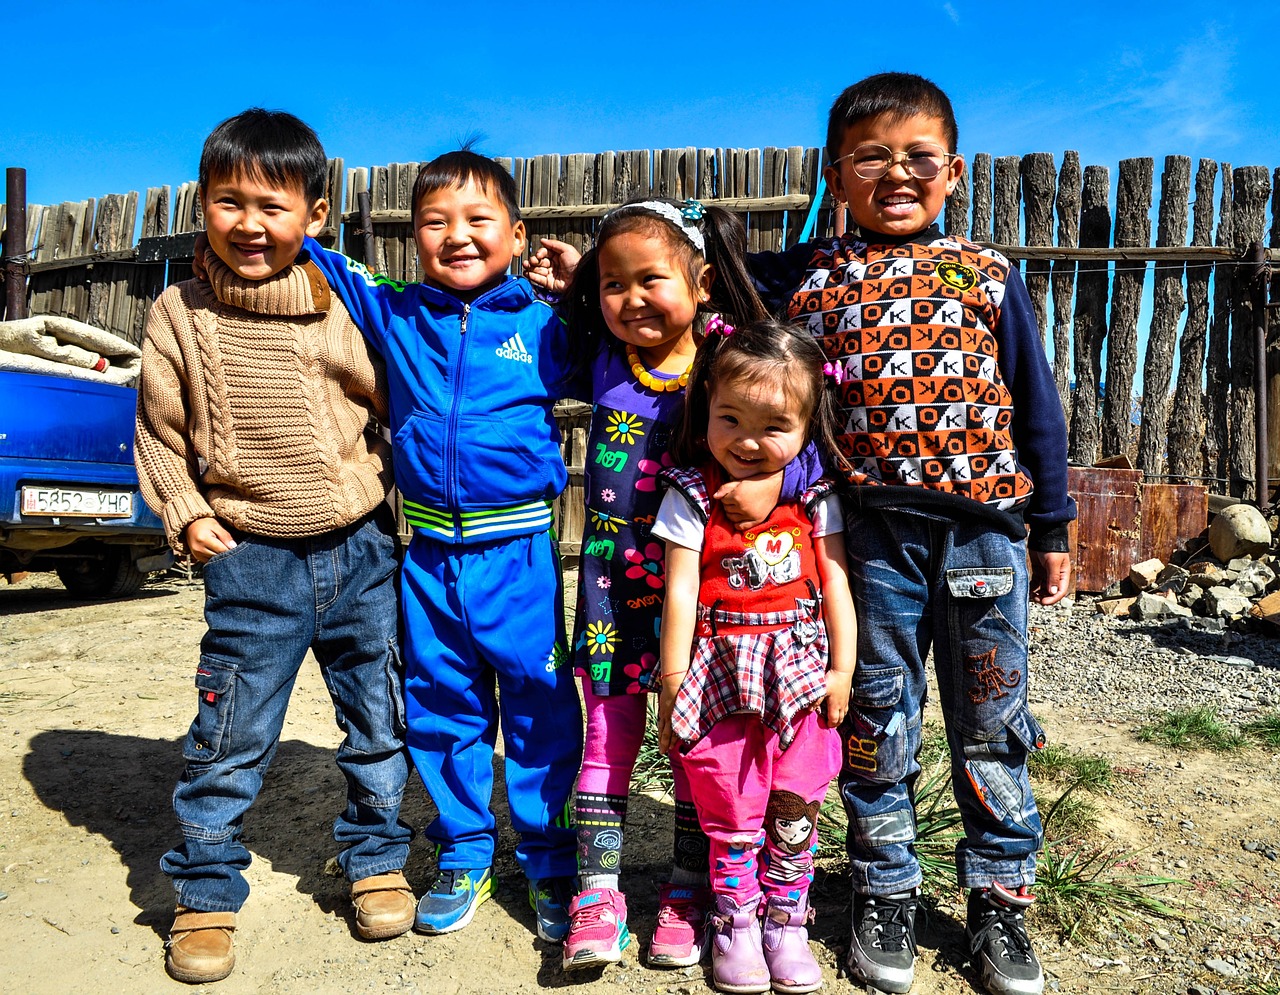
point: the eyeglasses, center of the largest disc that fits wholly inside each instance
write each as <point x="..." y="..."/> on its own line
<point x="923" y="162"/>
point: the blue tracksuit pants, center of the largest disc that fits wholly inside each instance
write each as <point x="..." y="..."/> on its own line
<point x="483" y="641"/>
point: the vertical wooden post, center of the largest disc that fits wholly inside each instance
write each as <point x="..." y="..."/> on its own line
<point x="1133" y="228"/>
<point x="957" y="216"/>
<point x="1157" y="368"/>
<point x="1218" y="367"/>
<point x="1091" y="315"/>
<point x="1063" y="279"/>
<point x="1038" y="180"/>
<point x="981" y="198"/>
<point x="1005" y="203"/>
<point x="1186" y="422"/>
<point x="1251" y="187"/>
<point x="15" y="243"/>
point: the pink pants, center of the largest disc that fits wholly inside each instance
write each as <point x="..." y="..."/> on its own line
<point x="756" y="800"/>
<point x="615" y="730"/>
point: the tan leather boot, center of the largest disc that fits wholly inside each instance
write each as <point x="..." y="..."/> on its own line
<point x="384" y="905"/>
<point x="200" y="946"/>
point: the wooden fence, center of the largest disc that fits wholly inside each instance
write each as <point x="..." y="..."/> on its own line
<point x="1087" y="285"/>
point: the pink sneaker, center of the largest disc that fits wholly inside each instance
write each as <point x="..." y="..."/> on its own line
<point x="597" y="929"/>
<point x="680" y="936"/>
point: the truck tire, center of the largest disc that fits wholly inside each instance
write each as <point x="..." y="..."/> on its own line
<point x="111" y="575"/>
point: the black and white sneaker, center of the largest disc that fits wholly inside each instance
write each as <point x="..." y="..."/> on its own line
<point x="998" y="941"/>
<point x="882" y="949"/>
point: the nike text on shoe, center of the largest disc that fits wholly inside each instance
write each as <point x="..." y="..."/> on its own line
<point x="597" y="929"/>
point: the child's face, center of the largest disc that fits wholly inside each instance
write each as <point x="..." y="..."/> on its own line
<point x="645" y="295"/>
<point x="754" y="428"/>
<point x="897" y="203"/>
<point x="255" y="226"/>
<point x="466" y="239"/>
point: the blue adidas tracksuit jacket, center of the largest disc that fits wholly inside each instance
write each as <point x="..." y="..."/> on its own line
<point x="477" y="462"/>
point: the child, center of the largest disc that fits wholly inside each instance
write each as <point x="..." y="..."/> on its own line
<point x="474" y="364"/>
<point x="958" y="445"/>
<point x="633" y="307"/>
<point x="253" y="445"/>
<point x="745" y="645"/>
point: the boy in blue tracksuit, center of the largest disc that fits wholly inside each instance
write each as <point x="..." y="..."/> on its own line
<point x="474" y="364"/>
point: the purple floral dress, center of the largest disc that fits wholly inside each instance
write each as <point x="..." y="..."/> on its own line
<point x="622" y="576"/>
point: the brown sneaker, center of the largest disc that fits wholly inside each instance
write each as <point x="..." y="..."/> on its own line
<point x="384" y="905"/>
<point x="200" y="946"/>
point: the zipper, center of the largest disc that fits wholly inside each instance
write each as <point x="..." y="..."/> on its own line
<point x="451" y="466"/>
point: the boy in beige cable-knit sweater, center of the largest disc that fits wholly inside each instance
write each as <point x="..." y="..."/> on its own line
<point x="254" y="446"/>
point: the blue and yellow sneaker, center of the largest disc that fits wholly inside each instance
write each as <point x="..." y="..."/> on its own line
<point x="452" y="901"/>
<point x="549" y="898"/>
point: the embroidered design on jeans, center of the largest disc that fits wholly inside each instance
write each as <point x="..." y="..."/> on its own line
<point x="991" y="681"/>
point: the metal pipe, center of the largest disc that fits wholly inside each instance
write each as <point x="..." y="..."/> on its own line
<point x="15" y="243"/>
<point x="1258" y="295"/>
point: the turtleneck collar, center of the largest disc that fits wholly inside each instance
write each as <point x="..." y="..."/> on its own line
<point x="300" y="289"/>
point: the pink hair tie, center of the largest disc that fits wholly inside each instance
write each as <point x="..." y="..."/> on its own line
<point x="718" y="326"/>
<point x="834" y="370"/>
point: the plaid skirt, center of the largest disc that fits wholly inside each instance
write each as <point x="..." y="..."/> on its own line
<point x="775" y="673"/>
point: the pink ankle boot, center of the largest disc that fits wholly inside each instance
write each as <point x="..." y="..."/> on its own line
<point x="737" y="960"/>
<point x="786" y="946"/>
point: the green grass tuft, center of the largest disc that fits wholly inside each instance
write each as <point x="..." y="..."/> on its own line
<point x="1078" y="892"/>
<point x="1265" y="730"/>
<point x="1193" y="728"/>
<point x="1070" y="817"/>
<point x="1072" y="769"/>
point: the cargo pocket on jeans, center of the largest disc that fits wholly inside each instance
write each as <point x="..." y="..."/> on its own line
<point x="215" y="690"/>
<point x="996" y="767"/>
<point x="987" y="677"/>
<point x="395" y="689"/>
<point x="874" y="732"/>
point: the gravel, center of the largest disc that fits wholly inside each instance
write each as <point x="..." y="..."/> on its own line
<point x="1126" y="670"/>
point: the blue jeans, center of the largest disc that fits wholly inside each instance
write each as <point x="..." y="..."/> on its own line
<point x="921" y="581"/>
<point x="267" y="601"/>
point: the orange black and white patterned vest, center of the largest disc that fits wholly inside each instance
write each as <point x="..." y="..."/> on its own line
<point x="922" y="402"/>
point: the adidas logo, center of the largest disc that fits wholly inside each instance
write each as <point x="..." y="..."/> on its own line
<point x="514" y="348"/>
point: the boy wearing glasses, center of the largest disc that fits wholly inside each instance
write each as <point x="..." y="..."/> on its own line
<point x="958" y="443"/>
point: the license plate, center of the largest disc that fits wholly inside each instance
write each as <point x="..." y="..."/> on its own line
<point x="74" y="502"/>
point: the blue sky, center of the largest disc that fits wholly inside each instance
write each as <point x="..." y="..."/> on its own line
<point x="108" y="97"/>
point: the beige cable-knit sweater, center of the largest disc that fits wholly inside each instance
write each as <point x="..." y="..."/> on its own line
<point x="254" y="404"/>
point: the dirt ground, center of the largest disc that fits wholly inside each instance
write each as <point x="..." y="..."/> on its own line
<point x="96" y="697"/>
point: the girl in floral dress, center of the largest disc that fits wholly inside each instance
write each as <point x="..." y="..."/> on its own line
<point x="637" y="304"/>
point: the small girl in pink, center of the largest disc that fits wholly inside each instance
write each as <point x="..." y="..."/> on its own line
<point x="636" y="307"/>
<point x="758" y="643"/>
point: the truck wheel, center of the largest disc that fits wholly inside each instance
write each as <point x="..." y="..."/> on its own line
<point x="111" y="575"/>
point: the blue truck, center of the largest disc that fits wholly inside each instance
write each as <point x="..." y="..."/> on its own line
<point x="69" y="497"/>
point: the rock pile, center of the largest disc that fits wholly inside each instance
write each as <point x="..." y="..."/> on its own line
<point x="1228" y="577"/>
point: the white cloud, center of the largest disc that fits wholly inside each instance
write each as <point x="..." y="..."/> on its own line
<point x="951" y="12"/>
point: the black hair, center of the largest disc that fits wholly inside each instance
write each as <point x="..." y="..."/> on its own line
<point x="457" y="168"/>
<point x="732" y="295"/>
<point x="767" y="350"/>
<point x="898" y="95"/>
<point x="275" y="145"/>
